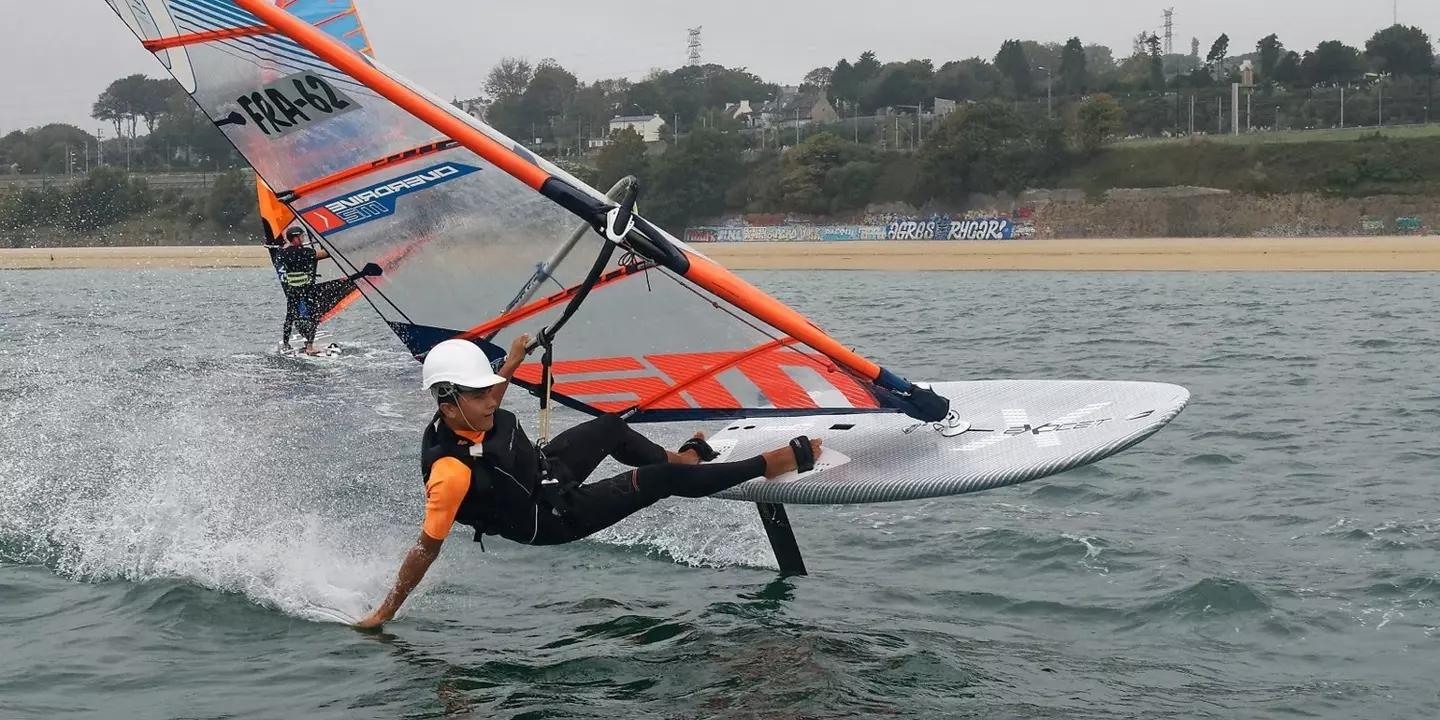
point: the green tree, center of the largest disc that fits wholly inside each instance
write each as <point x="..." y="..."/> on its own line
<point x="548" y="97"/>
<point x="1332" y="63"/>
<point x="105" y="197"/>
<point x="231" y="204"/>
<point x="187" y="132"/>
<point x="844" y="83"/>
<point x="847" y="81"/>
<point x="1013" y="64"/>
<point x="1133" y="74"/>
<point x="867" y="67"/>
<point x="1157" y="64"/>
<point x="1094" y="122"/>
<point x="689" y="91"/>
<point x="504" y="89"/>
<point x="971" y="79"/>
<point x="1073" y="73"/>
<point x="1270" y="51"/>
<point x="1402" y="50"/>
<point x="508" y="80"/>
<point x="110" y="108"/>
<point x="853" y="184"/>
<point x="1100" y="64"/>
<point x="906" y="83"/>
<point x="31" y="208"/>
<point x="129" y="99"/>
<point x="1287" y="70"/>
<point x="625" y="155"/>
<point x="691" y="180"/>
<point x="825" y="174"/>
<point x="1215" y="59"/>
<point x="154" y="97"/>
<point x="44" y="150"/>
<point x="981" y="148"/>
<point x="596" y="103"/>
<point x="1042" y="55"/>
<point x="817" y="79"/>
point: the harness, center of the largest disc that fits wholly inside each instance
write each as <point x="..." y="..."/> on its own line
<point x="511" y="480"/>
<point x="293" y="277"/>
<point x="299" y="279"/>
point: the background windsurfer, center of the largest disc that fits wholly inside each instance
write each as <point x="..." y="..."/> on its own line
<point x="299" y="264"/>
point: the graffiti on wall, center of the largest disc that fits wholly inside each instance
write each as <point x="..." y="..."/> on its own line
<point x="973" y="225"/>
<point x="947" y="229"/>
<point x="1403" y="226"/>
<point x="1409" y="225"/>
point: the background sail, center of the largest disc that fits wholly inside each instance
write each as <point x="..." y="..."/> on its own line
<point x="460" y="238"/>
<point x="339" y="19"/>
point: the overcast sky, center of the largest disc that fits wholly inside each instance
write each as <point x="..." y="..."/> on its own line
<point x="59" y="54"/>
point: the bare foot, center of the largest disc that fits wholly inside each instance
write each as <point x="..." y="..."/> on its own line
<point x="778" y="462"/>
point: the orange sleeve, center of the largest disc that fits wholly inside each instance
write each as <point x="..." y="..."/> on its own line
<point x="444" y="491"/>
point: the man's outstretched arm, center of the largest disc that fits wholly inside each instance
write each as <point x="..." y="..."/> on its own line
<point x="412" y="570"/>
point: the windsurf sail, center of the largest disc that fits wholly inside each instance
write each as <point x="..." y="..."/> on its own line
<point x="641" y="324"/>
<point x="339" y="19"/>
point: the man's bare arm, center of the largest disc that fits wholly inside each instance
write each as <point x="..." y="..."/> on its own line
<point x="513" y="361"/>
<point x="412" y="570"/>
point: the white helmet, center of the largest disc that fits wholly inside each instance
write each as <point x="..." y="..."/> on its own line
<point x="458" y="362"/>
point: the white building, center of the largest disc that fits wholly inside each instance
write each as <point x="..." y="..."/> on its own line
<point x="646" y="126"/>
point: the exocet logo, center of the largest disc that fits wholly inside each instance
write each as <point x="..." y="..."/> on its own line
<point x="379" y="200"/>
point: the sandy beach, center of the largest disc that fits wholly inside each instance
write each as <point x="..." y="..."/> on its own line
<point x="134" y="257"/>
<point x="1199" y="254"/>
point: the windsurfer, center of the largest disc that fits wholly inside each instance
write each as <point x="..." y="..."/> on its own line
<point x="299" y="265"/>
<point x="481" y="470"/>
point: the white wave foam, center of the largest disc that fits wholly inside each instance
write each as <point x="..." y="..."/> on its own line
<point x="102" y="484"/>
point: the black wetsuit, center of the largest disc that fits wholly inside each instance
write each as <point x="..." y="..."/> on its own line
<point x="298" y="266"/>
<point x="506" y="498"/>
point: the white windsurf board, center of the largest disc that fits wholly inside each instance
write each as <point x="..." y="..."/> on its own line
<point x="1001" y="432"/>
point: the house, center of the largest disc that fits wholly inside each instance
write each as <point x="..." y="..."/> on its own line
<point x="794" y="107"/>
<point x="647" y="126"/>
<point x="743" y="113"/>
<point x="474" y="108"/>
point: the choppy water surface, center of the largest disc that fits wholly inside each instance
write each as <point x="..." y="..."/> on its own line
<point x="186" y="520"/>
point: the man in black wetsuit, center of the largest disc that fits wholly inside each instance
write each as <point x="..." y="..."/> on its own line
<point x="298" y="266"/>
<point x="481" y="470"/>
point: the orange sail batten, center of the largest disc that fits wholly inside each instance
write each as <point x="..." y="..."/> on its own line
<point x="208" y="36"/>
<point x="364" y="169"/>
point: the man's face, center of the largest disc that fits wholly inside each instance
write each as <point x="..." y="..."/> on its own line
<point x="473" y="410"/>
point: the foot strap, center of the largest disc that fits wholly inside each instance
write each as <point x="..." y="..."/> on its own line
<point x="804" y="455"/>
<point x="702" y="449"/>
